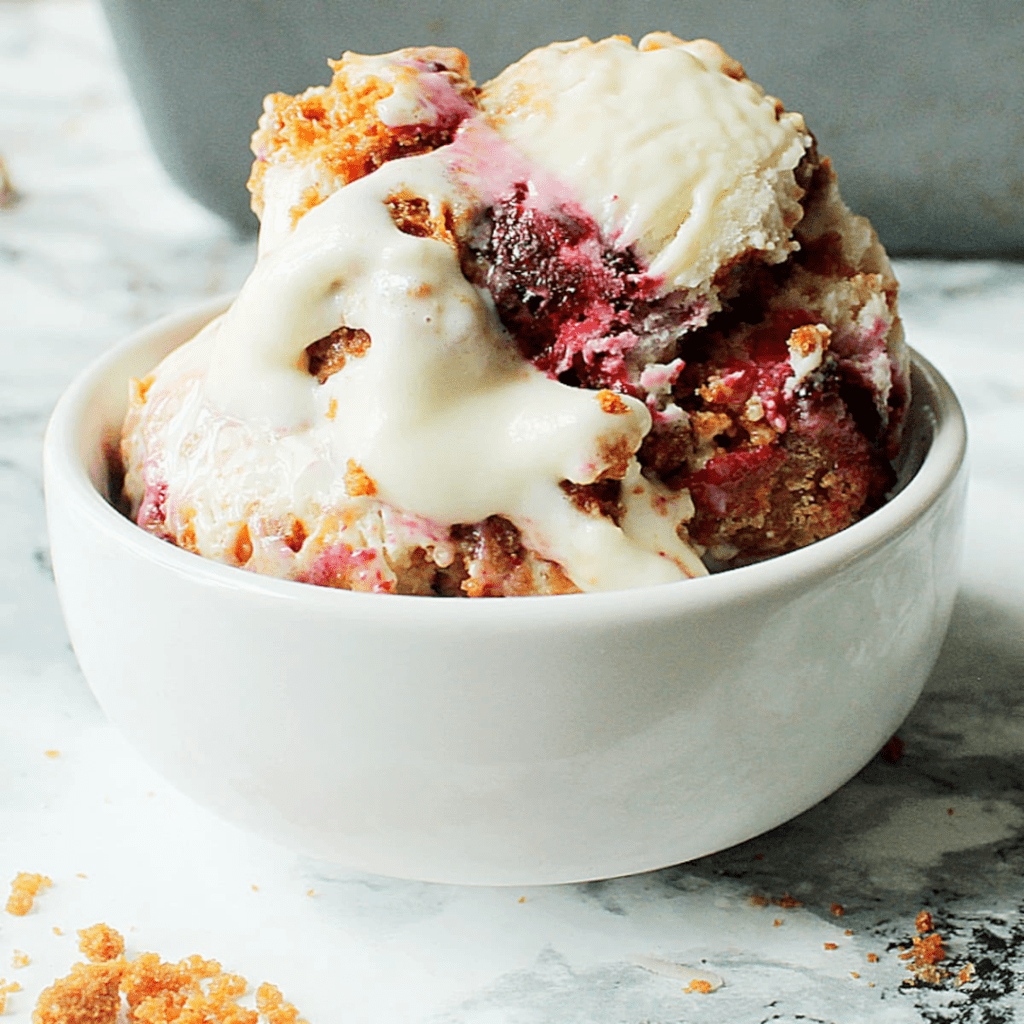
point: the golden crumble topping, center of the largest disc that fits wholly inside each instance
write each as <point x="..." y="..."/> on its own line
<point x="24" y="889"/>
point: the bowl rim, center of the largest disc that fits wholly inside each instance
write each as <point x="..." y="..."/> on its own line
<point x="65" y="471"/>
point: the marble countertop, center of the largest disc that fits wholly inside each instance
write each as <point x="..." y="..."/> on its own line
<point x="95" y="243"/>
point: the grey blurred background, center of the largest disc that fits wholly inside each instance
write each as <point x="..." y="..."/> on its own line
<point x="920" y="104"/>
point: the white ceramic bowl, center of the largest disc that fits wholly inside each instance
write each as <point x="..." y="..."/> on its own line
<point x="517" y="741"/>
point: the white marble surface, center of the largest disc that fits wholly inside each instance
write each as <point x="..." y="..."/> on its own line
<point x="100" y="243"/>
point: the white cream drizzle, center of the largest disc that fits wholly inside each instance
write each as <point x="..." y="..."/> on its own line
<point x="442" y="412"/>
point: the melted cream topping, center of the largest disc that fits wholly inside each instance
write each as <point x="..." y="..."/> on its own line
<point x="442" y="412"/>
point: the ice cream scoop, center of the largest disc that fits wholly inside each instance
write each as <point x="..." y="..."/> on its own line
<point x="601" y="323"/>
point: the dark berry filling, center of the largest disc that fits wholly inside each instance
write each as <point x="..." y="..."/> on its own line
<point x="575" y="305"/>
<point x="788" y="465"/>
<point x="771" y="464"/>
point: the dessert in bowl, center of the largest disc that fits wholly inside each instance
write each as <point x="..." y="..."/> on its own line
<point x="629" y="710"/>
<point x="602" y="322"/>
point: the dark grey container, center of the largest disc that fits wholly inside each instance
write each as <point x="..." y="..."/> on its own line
<point x="921" y="105"/>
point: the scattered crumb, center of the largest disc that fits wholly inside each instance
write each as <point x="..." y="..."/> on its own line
<point x="24" y="890"/>
<point x="872" y="958"/>
<point x="193" y="990"/>
<point x="358" y="482"/>
<point x="57" y="931"/>
<point x="522" y="899"/>
<point x="254" y="887"/>
<point x="809" y="338"/>
<point x="950" y="811"/>
<point x="100" y="943"/>
<point x="274" y="1007"/>
<point x="52" y="753"/>
<point x="924" y="955"/>
<point x="854" y="974"/>
<point x="19" y="958"/>
<point x="81" y="874"/>
<point x="871" y="984"/>
<point x="6" y="988"/>
<point x="311" y="892"/>
<point x="8" y="193"/>
<point x="611" y="403"/>
<point x="758" y="900"/>
<point x="243" y="545"/>
<point x="965" y="974"/>
<point x="777" y="923"/>
<point x="927" y="950"/>
<point x="923" y="922"/>
<point x="831" y="945"/>
<point x="699" y="985"/>
<point x="893" y="750"/>
<point x="849" y="931"/>
<point x="837" y="909"/>
<point x="787" y="902"/>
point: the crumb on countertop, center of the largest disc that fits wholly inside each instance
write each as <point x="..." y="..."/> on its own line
<point x="926" y="953"/>
<point x="100" y="943"/>
<point x="787" y="902"/>
<point x="24" y="889"/>
<point x="272" y="1004"/>
<point x="699" y="985"/>
<point x="19" y="958"/>
<point x="88" y="995"/>
<point x="157" y="992"/>
<point x="893" y="750"/>
<point x="6" y="988"/>
<point x="965" y="974"/>
<point x="8" y="193"/>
